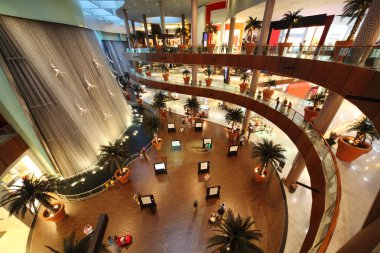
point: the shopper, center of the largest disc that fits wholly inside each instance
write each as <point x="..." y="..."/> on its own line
<point x="277" y="102"/>
<point x="195" y="205"/>
<point x="242" y="139"/>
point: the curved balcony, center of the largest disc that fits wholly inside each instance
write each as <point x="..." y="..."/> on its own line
<point x="320" y="161"/>
<point x="337" y="69"/>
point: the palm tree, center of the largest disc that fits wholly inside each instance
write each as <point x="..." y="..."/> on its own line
<point x="181" y="31"/>
<point x="235" y="235"/>
<point x="73" y="245"/>
<point x="208" y="72"/>
<point x="316" y="100"/>
<point x="24" y="197"/>
<point x="154" y="124"/>
<point x="270" y="83"/>
<point x="159" y="101"/>
<point x="291" y="18"/>
<point x="155" y="30"/>
<point x="186" y="73"/>
<point x="234" y="116"/>
<point x="137" y="89"/>
<point x="114" y="154"/>
<point x="244" y="77"/>
<point x="355" y="9"/>
<point x="364" y="129"/>
<point x="192" y="104"/>
<point x="164" y="68"/>
<point x="267" y="152"/>
<point x="252" y="25"/>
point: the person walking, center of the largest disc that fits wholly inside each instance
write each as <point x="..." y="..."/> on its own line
<point x="195" y="205"/>
<point x="277" y="102"/>
<point x="221" y="210"/>
<point x="242" y="139"/>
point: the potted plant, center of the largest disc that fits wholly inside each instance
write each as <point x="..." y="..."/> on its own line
<point x="183" y="33"/>
<point x="137" y="89"/>
<point x="245" y="79"/>
<point x="208" y="73"/>
<point x="311" y="112"/>
<point x="186" y="77"/>
<point x="251" y="25"/>
<point x="233" y="116"/>
<point x="23" y="197"/>
<point x="159" y="103"/>
<point x="291" y="18"/>
<point x="113" y="157"/>
<point x="138" y="68"/>
<point x="155" y="32"/>
<point x="192" y="104"/>
<point x="147" y="71"/>
<point x="165" y="72"/>
<point x="350" y="148"/>
<point x="352" y="9"/>
<point x="235" y="235"/>
<point x="73" y="245"/>
<point x="211" y="29"/>
<point x="154" y="124"/>
<point x="267" y="153"/>
<point x="268" y="92"/>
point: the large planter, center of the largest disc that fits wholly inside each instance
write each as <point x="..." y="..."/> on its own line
<point x="58" y="216"/>
<point x="347" y="153"/>
<point x="140" y="102"/>
<point x="309" y="114"/>
<point x="249" y="48"/>
<point x="182" y="48"/>
<point x="158" y="48"/>
<point x="243" y="87"/>
<point x="165" y="76"/>
<point x="232" y="135"/>
<point x="139" y="70"/>
<point x="122" y="175"/>
<point x="260" y="178"/>
<point x="208" y="82"/>
<point x="148" y="73"/>
<point x="157" y="145"/>
<point x="339" y="44"/>
<point x="210" y="48"/>
<point x="282" y="46"/>
<point x="267" y="94"/>
<point x="186" y="79"/>
<point x="163" y="114"/>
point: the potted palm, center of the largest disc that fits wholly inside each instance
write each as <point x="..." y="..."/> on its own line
<point x="183" y="33"/>
<point x="291" y="18"/>
<point x="137" y="89"/>
<point x="211" y="29"/>
<point x="208" y="73"/>
<point x="235" y="235"/>
<point x="138" y="68"/>
<point x="267" y="153"/>
<point x="245" y="79"/>
<point x="251" y="25"/>
<point x="147" y="71"/>
<point x="233" y="116"/>
<point x="268" y="92"/>
<point x="352" y="9"/>
<point x="311" y="112"/>
<point x="73" y="245"/>
<point x="154" y="125"/>
<point x="192" y="105"/>
<point x="159" y="103"/>
<point x="186" y="77"/>
<point x="113" y="157"/>
<point x="165" y="72"/>
<point x="25" y="196"/>
<point x="350" y="148"/>
<point x="155" y="32"/>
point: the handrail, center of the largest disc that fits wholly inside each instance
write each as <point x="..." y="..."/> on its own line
<point x="365" y="56"/>
<point x="97" y="190"/>
<point x="330" y="168"/>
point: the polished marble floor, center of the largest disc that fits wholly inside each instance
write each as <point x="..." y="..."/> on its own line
<point x="176" y="227"/>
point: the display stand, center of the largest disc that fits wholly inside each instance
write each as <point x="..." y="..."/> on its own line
<point x="232" y="150"/>
<point x="176" y="145"/>
<point x="206" y="141"/>
<point x="213" y="192"/>
<point x="146" y="201"/>
<point x="171" y="128"/>
<point x="204" y="167"/>
<point x="160" y="168"/>
<point x="198" y="126"/>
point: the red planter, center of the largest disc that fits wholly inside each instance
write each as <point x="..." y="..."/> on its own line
<point x="165" y="76"/>
<point x="232" y="136"/>
<point x="208" y="82"/>
<point x="282" y="46"/>
<point x="340" y="44"/>
<point x="157" y="145"/>
<point x="210" y="48"/>
<point x="148" y="73"/>
<point x="267" y="94"/>
<point x="309" y="114"/>
<point x="260" y="178"/>
<point x="347" y="152"/>
<point x="140" y="102"/>
<point x="243" y="87"/>
<point x="57" y="216"/>
<point x="186" y="79"/>
<point x="182" y="48"/>
<point x="249" y="48"/>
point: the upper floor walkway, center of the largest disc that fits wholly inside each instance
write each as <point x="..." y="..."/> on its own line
<point x="351" y="72"/>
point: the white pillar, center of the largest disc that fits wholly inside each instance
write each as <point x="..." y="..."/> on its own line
<point x="194" y="18"/>
<point x="127" y="27"/>
<point x="231" y="35"/>
<point x="146" y="31"/>
<point x="162" y="15"/>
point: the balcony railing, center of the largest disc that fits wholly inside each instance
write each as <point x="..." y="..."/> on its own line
<point x="330" y="168"/>
<point x="368" y="57"/>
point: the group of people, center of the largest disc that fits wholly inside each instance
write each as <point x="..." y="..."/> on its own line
<point x="285" y="105"/>
<point x="120" y="241"/>
<point x="259" y="126"/>
<point x="219" y="214"/>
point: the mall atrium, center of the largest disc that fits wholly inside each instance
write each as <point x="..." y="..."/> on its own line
<point x="189" y="126"/>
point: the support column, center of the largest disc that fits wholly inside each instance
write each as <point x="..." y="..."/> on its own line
<point x="146" y="31"/>
<point x="133" y="27"/>
<point x="295" y="172"/>
<point x="194" y="18"/>
<point x="127" y="27"/>
<point x="162" y="18"/>
<point x="183" y="28"/>
<point x="247" y="116"/>
<point x="268" y="12"/>
<point x="231" y="35"/>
